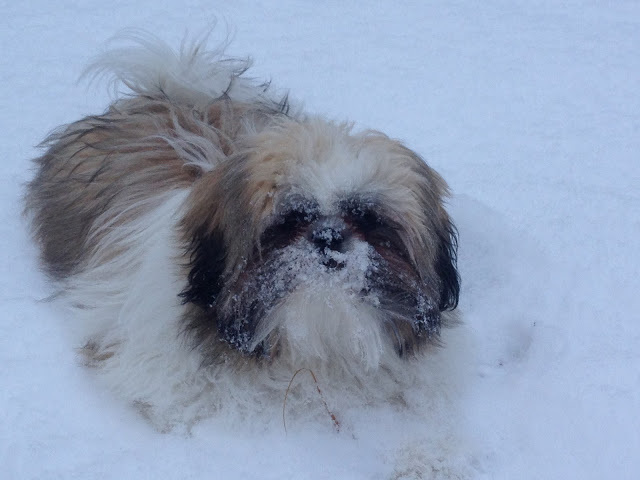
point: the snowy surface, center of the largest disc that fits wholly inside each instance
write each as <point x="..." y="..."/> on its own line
<point x="529" y="109"/>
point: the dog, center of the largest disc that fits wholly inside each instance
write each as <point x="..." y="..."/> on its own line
<point x="206" y="233"/>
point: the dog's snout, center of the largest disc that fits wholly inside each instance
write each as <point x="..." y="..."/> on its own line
<point x="330" y="241"/>
<point x="328" y="237"/>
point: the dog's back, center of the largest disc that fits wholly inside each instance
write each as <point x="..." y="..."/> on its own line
<point x="186" y="113"/>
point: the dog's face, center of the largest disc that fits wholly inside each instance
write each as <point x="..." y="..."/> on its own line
<point x="314" y="241"/>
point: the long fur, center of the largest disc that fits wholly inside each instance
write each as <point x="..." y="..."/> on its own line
<point x="212" y="240"/>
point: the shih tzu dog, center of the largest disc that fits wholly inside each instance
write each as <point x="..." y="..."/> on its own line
<point x="210" y="236"/>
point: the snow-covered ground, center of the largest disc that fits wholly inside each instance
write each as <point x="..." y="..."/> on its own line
<point x="529" y="109"/>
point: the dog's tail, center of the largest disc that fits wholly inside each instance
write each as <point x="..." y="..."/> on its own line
<point x="191" y="76"/>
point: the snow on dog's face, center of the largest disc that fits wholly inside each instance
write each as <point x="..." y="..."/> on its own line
<point x="313" y="242"/>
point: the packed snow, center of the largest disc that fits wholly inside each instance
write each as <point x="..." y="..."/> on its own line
<point x="530" y="111"/>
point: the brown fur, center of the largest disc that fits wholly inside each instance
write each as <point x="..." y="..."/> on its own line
<point x="96" y="169"/>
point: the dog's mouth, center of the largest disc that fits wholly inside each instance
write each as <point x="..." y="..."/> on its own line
<point x="332" y="263"/>
<point x="333" y="260"/>
<point x="247" y="309"/>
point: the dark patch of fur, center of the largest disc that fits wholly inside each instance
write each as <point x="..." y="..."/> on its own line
<point x="409" y="305"/>
<point x="446" y="267"/>
<point x="206" y="280"/>
<point x="207" y="263"/>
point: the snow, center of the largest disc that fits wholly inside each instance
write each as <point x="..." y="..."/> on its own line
<point x="531" y="112"/>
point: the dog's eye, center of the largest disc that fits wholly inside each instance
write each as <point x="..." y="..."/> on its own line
<point x="298" y="217"/>
<point x="289" y="225"/>
<point x="377" y="230"/>
<point x="364" y="219"/>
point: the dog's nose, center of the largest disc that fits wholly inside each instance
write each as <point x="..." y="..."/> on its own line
<point x="328" y="237"/>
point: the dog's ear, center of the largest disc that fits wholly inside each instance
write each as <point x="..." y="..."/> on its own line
<point x="432" y="189"/>
<point x="206" y="265"/>
<point x="446" y="266"/>
<point x="205" y="248"/>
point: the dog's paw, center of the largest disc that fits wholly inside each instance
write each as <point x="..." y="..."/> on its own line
<point x="424" y="460"/>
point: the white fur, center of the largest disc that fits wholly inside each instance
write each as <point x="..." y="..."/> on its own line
<point x="129" y="307"/>
<point x="191" y="76"/>
<point x="324" y="321"/>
